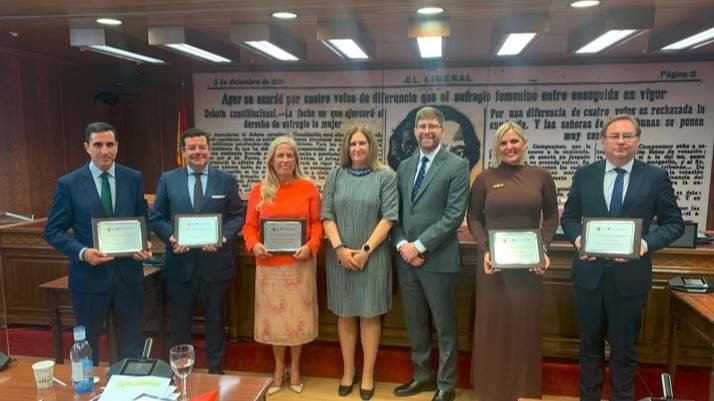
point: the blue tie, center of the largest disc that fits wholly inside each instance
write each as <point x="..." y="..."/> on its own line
<point x="419" y="177"/>
<point x="616" y="198"/>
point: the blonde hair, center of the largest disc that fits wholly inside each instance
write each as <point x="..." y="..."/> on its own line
<point x="372" y="160"/>
<point x="270" y="182"/>
<point x="505" y="127"/>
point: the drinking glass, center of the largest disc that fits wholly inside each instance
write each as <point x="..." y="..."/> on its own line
<point x="182" y="357"/>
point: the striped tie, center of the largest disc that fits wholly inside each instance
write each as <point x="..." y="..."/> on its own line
<point x="419" y="177"/>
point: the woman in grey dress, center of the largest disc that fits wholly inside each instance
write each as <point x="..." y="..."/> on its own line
<point x="359" y="207"/>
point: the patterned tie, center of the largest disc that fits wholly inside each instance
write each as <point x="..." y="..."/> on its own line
<point x="197" y="192"/>
<point x="419" y="177"/>
<point x="616" y="198"/>
<point x="106" y="195"/>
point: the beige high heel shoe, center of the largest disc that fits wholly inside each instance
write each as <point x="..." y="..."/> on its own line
<point x="297" y="388"/>
<point x="276" y="387"/>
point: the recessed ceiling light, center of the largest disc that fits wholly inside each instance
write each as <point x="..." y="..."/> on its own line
<point x="14" y="34"/>
<point x="109" y="21"/>
<point x="429" y="46"/>
<point x="270" y="49"/>
<point x="430" y="10"/>
<point x="515" y="43"/>
<point x="584" y="3"/>
<point x="125" y="54"/>
<point x="346" y="48"/>
<point x="606" y="40"/>
<point x="693" y="41"/>
<point x="284" y="15"/>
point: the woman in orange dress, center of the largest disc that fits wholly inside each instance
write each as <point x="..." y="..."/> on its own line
<point x="286" y="309"/>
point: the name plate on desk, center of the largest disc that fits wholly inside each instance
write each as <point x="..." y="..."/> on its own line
<point x="516" y="249"/>
<point x="198" y="230"/>
<point x="282" y="235"/>
<point x="119" y="236"/>
<point x="611" y="238"/>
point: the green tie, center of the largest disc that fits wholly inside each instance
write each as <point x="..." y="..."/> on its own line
<point x="106" y="194"/>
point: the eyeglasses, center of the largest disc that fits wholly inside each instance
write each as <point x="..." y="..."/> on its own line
<point x="428" y="127"/>
<point x="627" y="137"/>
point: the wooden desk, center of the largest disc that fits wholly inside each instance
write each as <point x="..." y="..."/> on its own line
<point x="59" y="298"/>
<point x="18" y="383"/>
<point x="695" y="311"/>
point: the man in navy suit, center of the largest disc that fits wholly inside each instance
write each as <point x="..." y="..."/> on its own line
<point x="610" y="293"/>
<point x="98" y="282"/>
<point x="195" y="189"/>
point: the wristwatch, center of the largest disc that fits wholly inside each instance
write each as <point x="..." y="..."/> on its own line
<point x="336" y="247"/>
<point x="366" y="247"/>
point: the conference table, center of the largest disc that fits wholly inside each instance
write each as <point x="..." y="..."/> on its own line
<point x="18" y="383"/>
<point x="696" y="312"/>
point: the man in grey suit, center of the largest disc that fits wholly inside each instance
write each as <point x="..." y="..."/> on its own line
<point x="433" y="188"/>
<point x="198" y="188"/>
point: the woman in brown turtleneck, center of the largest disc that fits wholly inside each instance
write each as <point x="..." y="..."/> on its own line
<point x="507" y="350"/>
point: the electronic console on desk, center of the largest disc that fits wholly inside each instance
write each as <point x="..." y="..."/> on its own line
<point x="694" y="284"/>
<point x="143" y="366"/>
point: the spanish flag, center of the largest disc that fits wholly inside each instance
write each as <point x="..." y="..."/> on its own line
<point x="180" y="128"/>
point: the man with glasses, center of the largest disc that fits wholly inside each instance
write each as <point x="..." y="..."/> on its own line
<point x="433" y="188"/>
<point x="610" y="293"/>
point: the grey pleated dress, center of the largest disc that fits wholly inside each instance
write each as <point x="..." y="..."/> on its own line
<point x="356" y="204"/>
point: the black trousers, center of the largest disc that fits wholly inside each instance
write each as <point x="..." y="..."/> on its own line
<point x="183" y="297"/>
<point x="604" y="313"/>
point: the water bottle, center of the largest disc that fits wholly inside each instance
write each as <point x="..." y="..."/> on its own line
<point x="81" y="357"/>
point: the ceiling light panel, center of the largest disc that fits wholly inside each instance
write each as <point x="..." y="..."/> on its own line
<point x="188" y="43"/>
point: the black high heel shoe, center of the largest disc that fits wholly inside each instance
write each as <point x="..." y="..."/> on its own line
<point x="366" y="394"/>
<point x="344" y="391"/>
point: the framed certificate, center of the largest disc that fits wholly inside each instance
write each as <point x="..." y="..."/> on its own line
<point x="283" y="235"/>
<point x="198" y="230"/>
<point x="119" y="236"/>
<point x="516" y="249"/>
<point x="611" y="237"/>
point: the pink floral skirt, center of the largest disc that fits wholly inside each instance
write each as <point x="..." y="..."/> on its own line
<point x="286" y="309"/>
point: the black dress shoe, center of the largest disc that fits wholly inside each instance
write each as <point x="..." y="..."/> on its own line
<point x="444" y="395"/>
<point x="366" y="394"/>
<point x="344" y="391"/>
<point x="215" y="371"/>
<point x="414" y="387"/>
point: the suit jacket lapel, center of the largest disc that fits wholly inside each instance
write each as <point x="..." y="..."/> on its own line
<point x="123" y="203"/>
<point x="433" y="170"/>
<point x="185" y="194"/>
<point x="211" y="187"/>
<point x="410" y="166"/>
<point x="599" y="181"/>
<point x="90" y="191"/>
<point x="633" y="187"/>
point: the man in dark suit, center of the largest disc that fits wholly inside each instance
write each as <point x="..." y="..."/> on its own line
<point x="98" y="282"/>
<point x="433" y="187"/>
<point x="610" y="293"/>
<point x="195" y="189"/>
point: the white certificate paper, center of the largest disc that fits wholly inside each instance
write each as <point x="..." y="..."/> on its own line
<point x="613" y="237"/>
<point x="198" y="230"/>
<point x="119" y="237"/>
<point x="516" y="248"/>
